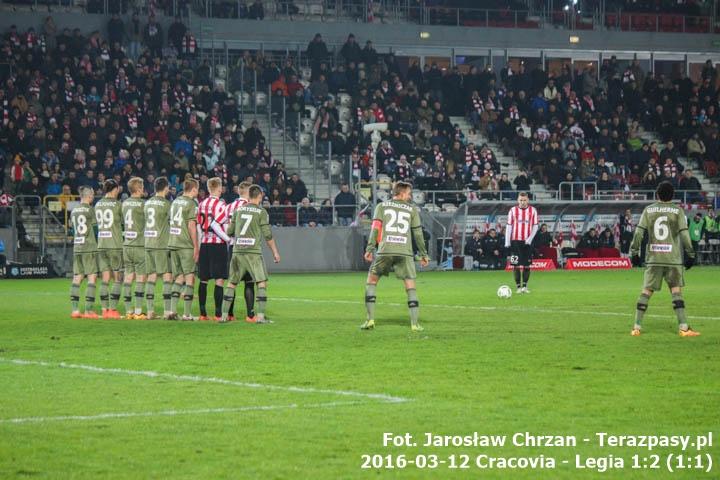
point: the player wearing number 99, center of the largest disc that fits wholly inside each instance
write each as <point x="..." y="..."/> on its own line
<point x="84" y="254"/>
<point x="667" y="230"/>
<point x="395" y="225"/>
<point x="108" y="213"/>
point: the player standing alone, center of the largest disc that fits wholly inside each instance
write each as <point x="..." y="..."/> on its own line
<point x="668" y="237"/>
<point x="184" y="248"/>
<point x="250" y="225"/>
<point x="522" y="225"/>
<point x="395" y="224"/>
<point x="242" y="191"/>
<point x="213" y="261"/>
<point x="84" y="254"/>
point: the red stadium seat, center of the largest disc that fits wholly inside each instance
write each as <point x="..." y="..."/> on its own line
<point x="549" y="252"/>
<point x="609" y="252"/>
<point x="710" y="168"/>
<point x="589" y="252"/>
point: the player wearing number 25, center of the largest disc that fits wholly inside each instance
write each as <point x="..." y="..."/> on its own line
<point x="395" y="225"/>
<point x="668" y="237"/>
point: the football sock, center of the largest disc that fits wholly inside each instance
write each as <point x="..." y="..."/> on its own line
<point x="139" y="297"/>
<point x="167" y="296"/>
<point x="370" y="301"/>
<point x="150" y="297"/>
<point x="641" y="308"/>
<point x="518" y="280"/>
<point x="175" y="296"/>
<point x="249" y="299"/>
<point x="127" y="297"/>
<point x="115" y="295"/>
<point x="413" y="305"/>
<point x="104" y="299"/>
<point x="679" y="307"/>
<point x="75" y="296"/>
<point x="227" y="300"/>
<point x="90" y="297"/>
<point x="188" y="298"/>
<point x="202" y="297"/>
<point x="218" y="294"/>
<point x="261" y="301"/>
<point x="525" y="276"/>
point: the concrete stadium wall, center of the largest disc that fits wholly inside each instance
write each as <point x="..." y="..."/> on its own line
<point x="329" y="249"/>
<point x="406" y="38"/>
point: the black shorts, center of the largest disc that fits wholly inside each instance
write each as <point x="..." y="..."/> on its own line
<point x="520" y="254"/>
<point x="213" y="261"/>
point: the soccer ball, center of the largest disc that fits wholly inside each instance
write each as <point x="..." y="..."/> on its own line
<point x="504" y="292"/>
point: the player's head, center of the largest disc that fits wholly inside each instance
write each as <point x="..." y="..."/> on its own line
<point x="523" y="200"/>
<point x="255" y="194"/>
<point x="111" y="188"/>
<point x="244" y="189"/>
<point x="191" y="187"/>
<point x="214" y="186"/>
<point x="136" y="187"/>
<point x="161" y="186"/>
<point x="402" y="191"/>
<point x="665" y="191"/>
<point x="86" y="194"/>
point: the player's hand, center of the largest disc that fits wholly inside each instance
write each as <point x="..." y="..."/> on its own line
<point x="424" y="262"/>
<point x="635" y="259"/>
<point x="368" y="257"/>
<point x="689" y="262"/>
<point x="276" y="257"/>
<point x="196" y="254"/>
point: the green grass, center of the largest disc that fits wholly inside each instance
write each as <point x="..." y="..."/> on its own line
<point x="559" y="361"/>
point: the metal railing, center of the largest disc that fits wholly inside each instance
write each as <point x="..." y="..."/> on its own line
<point x="311" y="215"/>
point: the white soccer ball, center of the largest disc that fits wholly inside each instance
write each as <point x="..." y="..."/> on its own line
<point x="504" y="291"/>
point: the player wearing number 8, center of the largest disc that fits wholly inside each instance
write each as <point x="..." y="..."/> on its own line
<point x="108" y="213"/>
<point x="666" y="227"/>
<point x="396" y="224"/>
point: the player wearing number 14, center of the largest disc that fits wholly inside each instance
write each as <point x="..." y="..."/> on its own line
<point x="668" y="238"/>
<point x="184" y="247"/>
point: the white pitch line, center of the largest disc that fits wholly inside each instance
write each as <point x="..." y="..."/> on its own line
<point x="170" y="413"/>
<point x="196" y="378"/>
<point x="488" y="308"/>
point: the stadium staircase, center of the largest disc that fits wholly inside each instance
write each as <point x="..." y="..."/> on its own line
<point x="46" y="239"/>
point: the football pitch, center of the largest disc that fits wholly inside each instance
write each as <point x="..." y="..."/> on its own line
<point x="311" y="396"/>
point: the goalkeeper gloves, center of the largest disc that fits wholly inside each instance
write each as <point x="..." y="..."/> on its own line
<point x="689" y="262"/>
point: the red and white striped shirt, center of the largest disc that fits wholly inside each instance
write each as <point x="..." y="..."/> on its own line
<point x="522" y="221"/>
<point x="234" y="205"/>
<point x="211" y="209"/>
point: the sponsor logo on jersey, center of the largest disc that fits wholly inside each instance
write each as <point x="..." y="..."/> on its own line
<point x="245" y="242"/>
<point x="396" y="239"/>
<point x="151" y="233"/>
<point x="131" y="235"/>
<point x="79" y="240"/>
<point x="104" y="234"/>
<point x="661" y="247"/>
<point x="175" y="231"/>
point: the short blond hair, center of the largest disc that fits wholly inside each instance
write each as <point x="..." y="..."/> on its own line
<point x="214" y="183"/>
<point x="401" y="187"/>
<point x="190" y="184"/>
<point x="244" y="187"/>
<point x="135" y="184"/>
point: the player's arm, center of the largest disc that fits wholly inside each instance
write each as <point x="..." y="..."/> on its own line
<point x="685" y="237"/>
<point x="267" y="234"/>
<point x="417" y="233"/>
<point x="375" y="234"/>
<point x="638" y="236"/>
<point x="217" y="226"/>
<point x="508" y="230"/>
<point x="533" y="231"/>
<point x="192" y="225"/>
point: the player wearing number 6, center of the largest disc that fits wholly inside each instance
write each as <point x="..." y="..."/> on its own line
<point x="108" y="212"/>
<point x="395" y="225"/>
<point x="667" y="230"/>
<point x="249" y="225"/>
<point x="84" y="254"/>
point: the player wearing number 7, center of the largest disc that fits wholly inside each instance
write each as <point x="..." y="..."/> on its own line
<point x="668" y="237"/>
<point x="395" y="225"/>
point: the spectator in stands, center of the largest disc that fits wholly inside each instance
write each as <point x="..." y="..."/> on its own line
<point x="543" y="237"/>
<point x="522" y="182"/>
<point x="607" y="239"/>
<point x="712" y="226"/>
<point x="696" y="227"/>
<point x="317" y="52"/>
<point x="345" y="205"/>
<point x="493" y="248"/>
<point x="176" y="33"/>
<point x="690" y="183"/>
<point x="325" y="214"/>
<point x="351" y="51"/>
<point x="256" y="11"/>
<point x="590" y="240"/>
<point x="153" y="37"/>
<point x="307" y="214"/>
<point x="473" y="247"/>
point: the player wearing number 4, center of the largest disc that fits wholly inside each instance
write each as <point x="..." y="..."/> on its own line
<point x="184" y="247"/>
<point x="249" y="225"/>
<point x="668" y="237"/>
<point x="134" y="248"/>
<point x="84" y="254"/>
<point x="108" y="212"/>
<point x="395" y="224"/>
